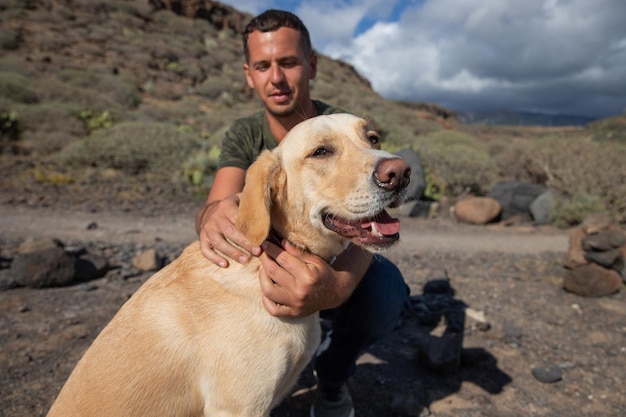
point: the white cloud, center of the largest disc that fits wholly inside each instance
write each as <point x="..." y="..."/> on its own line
<point x="543" y="55"/>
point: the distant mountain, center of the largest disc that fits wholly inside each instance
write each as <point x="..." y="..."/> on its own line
<point x="504" y="117"/>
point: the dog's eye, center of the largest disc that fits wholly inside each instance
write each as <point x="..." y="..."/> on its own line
<point x="373" y="138"/>
<point x="321" y="152"/>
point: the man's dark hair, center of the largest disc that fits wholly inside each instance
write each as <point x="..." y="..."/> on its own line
<point x="271" y="20"/>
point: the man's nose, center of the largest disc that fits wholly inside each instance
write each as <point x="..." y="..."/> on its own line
<point x="276" y="74"/>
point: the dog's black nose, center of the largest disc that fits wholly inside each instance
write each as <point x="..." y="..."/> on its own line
<point x="392" y="174"/>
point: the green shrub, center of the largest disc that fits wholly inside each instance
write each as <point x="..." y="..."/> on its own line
<point x="13" y="64"/>
<point x="570" y="210"/>
<point x="15" y="87"/>
<point x="585" y="173"/>
<point x="46" y="143"/>
<point x="8" y="40"/>
<point x="456" y="163"/>
<point x="152" y="149"/>
<point x="199" y="170"/>
<point x="610" y="129"/>
<point x="50" y="116"/>
<point x="52" y="89"/>
<point x="9" y="128"/>
<point x="94" y="121"/>
<point x="117" y="88"/>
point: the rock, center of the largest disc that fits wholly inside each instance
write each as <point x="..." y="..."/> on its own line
<point x="592" y="281"/>
<point x="90" y="267"/>
<point x="438" y="286"/>
<point x="416" y="187"/>
<point x="623" y="271"/>
<point x="442" y="354"/>
<point x="548" y="374"/>
<point x="50" y="267"/>
<point x="6" y="280"/>
<point x="604" y="241"/>
<point x="515" y="197"/>
<point x="612" y="259"/>
<point x="477" y="210"/>
<point x="34" y="245"/>
<point x="478" y="319"/>
<point x="595" y="223"/>
<point x="148" y="260"/>
<point x="408" y="406"/>
<point x="541" y="206"/>
<point x="575" y="253"/>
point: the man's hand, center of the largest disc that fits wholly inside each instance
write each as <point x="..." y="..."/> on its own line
<point x="295" y="283"/>
<point x="215" y="224"/>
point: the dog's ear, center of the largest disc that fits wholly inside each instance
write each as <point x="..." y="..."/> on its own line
<point x="256" y="198"/>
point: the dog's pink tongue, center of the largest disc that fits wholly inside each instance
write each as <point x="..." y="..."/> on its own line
<point x="384" y="223"/>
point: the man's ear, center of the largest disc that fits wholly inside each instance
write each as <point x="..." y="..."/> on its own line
<point x="246" y="71"/>
<point x="256" y="198"/>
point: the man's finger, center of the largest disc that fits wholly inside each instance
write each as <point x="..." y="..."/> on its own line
<point x="209" y="253"/>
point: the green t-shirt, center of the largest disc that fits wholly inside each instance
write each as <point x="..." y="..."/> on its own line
<point x="251" y="135"/>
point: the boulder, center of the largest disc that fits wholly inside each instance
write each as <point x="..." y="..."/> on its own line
<point x="89" y="266"/>
<point x="575" y="253"/>
<point x="604" y="240"/>
<point x="596" y="223"/>
<point x="612" y="259"/>
<point x="33" y="245"/>
<point x="515" y="197"/>
<point x="148" y="260"/>
<point x="477" y="210"/>
<point x="541" y="207"/>
<point x="592" y="281"/>
<point x="51" y="267"/>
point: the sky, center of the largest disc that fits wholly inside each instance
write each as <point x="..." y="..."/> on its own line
<point x="546" y="56"/>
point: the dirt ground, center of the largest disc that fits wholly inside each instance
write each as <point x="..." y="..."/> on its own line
<point x="512" y="275"/>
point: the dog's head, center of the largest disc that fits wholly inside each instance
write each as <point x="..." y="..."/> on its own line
<point x="327" y="184"/>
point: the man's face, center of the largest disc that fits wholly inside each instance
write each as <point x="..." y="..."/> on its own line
<point x="279" y="70"/>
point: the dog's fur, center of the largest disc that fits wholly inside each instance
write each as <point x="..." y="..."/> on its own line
<point x="195" y="339"/>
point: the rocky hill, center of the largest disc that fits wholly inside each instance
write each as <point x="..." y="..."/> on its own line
<point x="124" y="100"/>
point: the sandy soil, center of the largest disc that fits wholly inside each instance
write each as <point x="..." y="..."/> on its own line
<point x="512" y="275"/>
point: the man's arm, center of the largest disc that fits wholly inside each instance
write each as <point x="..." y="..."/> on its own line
<point x="216" y="220"/>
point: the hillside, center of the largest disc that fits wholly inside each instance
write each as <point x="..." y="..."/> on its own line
<point x="118" y="101"/>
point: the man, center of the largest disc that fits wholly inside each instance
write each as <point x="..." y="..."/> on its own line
<point x="361" y="293"/>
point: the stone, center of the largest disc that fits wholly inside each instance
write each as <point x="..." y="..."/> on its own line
<point x="596" y="222"/>
<point x="515" y="197"/>
<point x="148" y="260"/>
<point x="548" y="374"/>
<point x="50" y="267"/>
<point x="575" y="254"/>
<point x="592" y="281"/>
<point x="90" y="267"/>
<point x="33" y="245"/>
<point x="477" y="210"/>
<point x="612" y="259"/>
<point x="442" y="354"/>
<point x="604" y="241"/>
<point x="408" y="406"/>
<point x="541" y="207"/>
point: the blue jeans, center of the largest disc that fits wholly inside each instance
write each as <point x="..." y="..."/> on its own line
<point x="372" y="311"/>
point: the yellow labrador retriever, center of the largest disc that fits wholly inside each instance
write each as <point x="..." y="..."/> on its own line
<point x="195" y="339"/>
